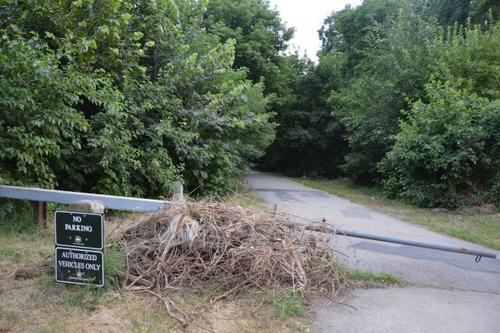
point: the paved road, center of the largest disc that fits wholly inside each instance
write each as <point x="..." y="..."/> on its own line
<point x="453" y="284"/>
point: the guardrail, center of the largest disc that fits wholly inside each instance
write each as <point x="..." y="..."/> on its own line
<point x="41" y="196"/>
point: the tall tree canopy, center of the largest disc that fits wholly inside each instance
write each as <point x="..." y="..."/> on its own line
<point x="126" y="97"/>
<point x="260" y="36"/>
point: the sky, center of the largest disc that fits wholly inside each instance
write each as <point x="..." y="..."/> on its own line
<point x="307" y="16"/>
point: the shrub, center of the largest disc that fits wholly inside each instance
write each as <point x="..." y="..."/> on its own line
<point x="446" y="148"/>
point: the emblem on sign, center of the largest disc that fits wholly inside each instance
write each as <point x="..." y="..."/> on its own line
<point x="79" y="266"/>
<point x="83" y="230"/>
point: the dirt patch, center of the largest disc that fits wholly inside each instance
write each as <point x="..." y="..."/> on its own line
<point x="41" y="305"/>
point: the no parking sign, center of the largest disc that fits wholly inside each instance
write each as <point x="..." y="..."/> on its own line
<point x="79" y="241"/>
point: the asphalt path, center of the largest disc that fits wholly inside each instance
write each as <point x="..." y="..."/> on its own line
<point x="451" y="283"/>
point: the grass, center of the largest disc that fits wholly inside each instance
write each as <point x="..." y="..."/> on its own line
<point x="14" y="247"/>
<point x="147" y="322"/>
<point x="245" y="199"/>
<point x="242" y="195"/>
<point x="115" y="263"/>
<point x="468" y="223"/>
<point x="373" y="280"/>
<point x="289" y="305"/>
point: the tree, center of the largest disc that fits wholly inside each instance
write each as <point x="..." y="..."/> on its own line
<point x="349" y="31"/>
<point x="136" y="95"/>
<point x="392" y="71"/>
<point x="449" y="12"/>
<point x="259" y="33"/>
<point x="306" y="135"/>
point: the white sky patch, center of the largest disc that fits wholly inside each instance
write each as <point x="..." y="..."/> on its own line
<point x="307" y="17"/>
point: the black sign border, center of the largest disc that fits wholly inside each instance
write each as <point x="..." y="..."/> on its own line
<point x="76" y="246"/>
<point x="79" y="283"/>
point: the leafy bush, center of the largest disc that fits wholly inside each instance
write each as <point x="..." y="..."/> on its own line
<point x="445" y="148"/>
<point x="447" y="152"/>
<point x="387" y="52"/>
<point x="38" y="124"/>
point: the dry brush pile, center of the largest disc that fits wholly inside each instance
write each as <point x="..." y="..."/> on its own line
<point x="194" y="245"/>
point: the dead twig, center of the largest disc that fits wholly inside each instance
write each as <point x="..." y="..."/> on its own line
<point x="167" y="304"/>
<point x="195" y="245"/>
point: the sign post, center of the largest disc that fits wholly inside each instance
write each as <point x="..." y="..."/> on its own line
<point x="79" y="246"/>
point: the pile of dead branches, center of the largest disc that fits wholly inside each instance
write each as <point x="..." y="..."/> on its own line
<point x="192" y="245"/>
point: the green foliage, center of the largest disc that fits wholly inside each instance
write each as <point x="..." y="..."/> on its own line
<point x="447" y="151"/>
<point x="307" y="138"/>
<point x="449" y="12"/>
<point x="290" y="304"/>
<point x="470" y="54"/>
<point x="349" y="31"/>
<point x="123" y="97"/>
<point x="362" y="108"/>
<point x="441" y="152"/>
<point x="126" y="97"/>
<point x="37" y="128"/>
<point x="259" y="33"/>
<point x="358" y="275"/>
<point x="394" y="67"/>
<point x="16" y="217"/>
<point x="375" y="63"/>
<point x="114" y="265"/>
<point x="393" y="57"/>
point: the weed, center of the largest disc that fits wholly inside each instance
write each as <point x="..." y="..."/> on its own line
<point x="289" y="304"/>
<point x="8" y="316"/>
<point x="384" y="278"/>
<point x="84" y="297"/>
<point x="114" y="264"/>
<point x="67" y="295"/>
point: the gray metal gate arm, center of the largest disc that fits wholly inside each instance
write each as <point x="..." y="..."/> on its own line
<point x="405" y="241"/>
<point x="67" y="197"/>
